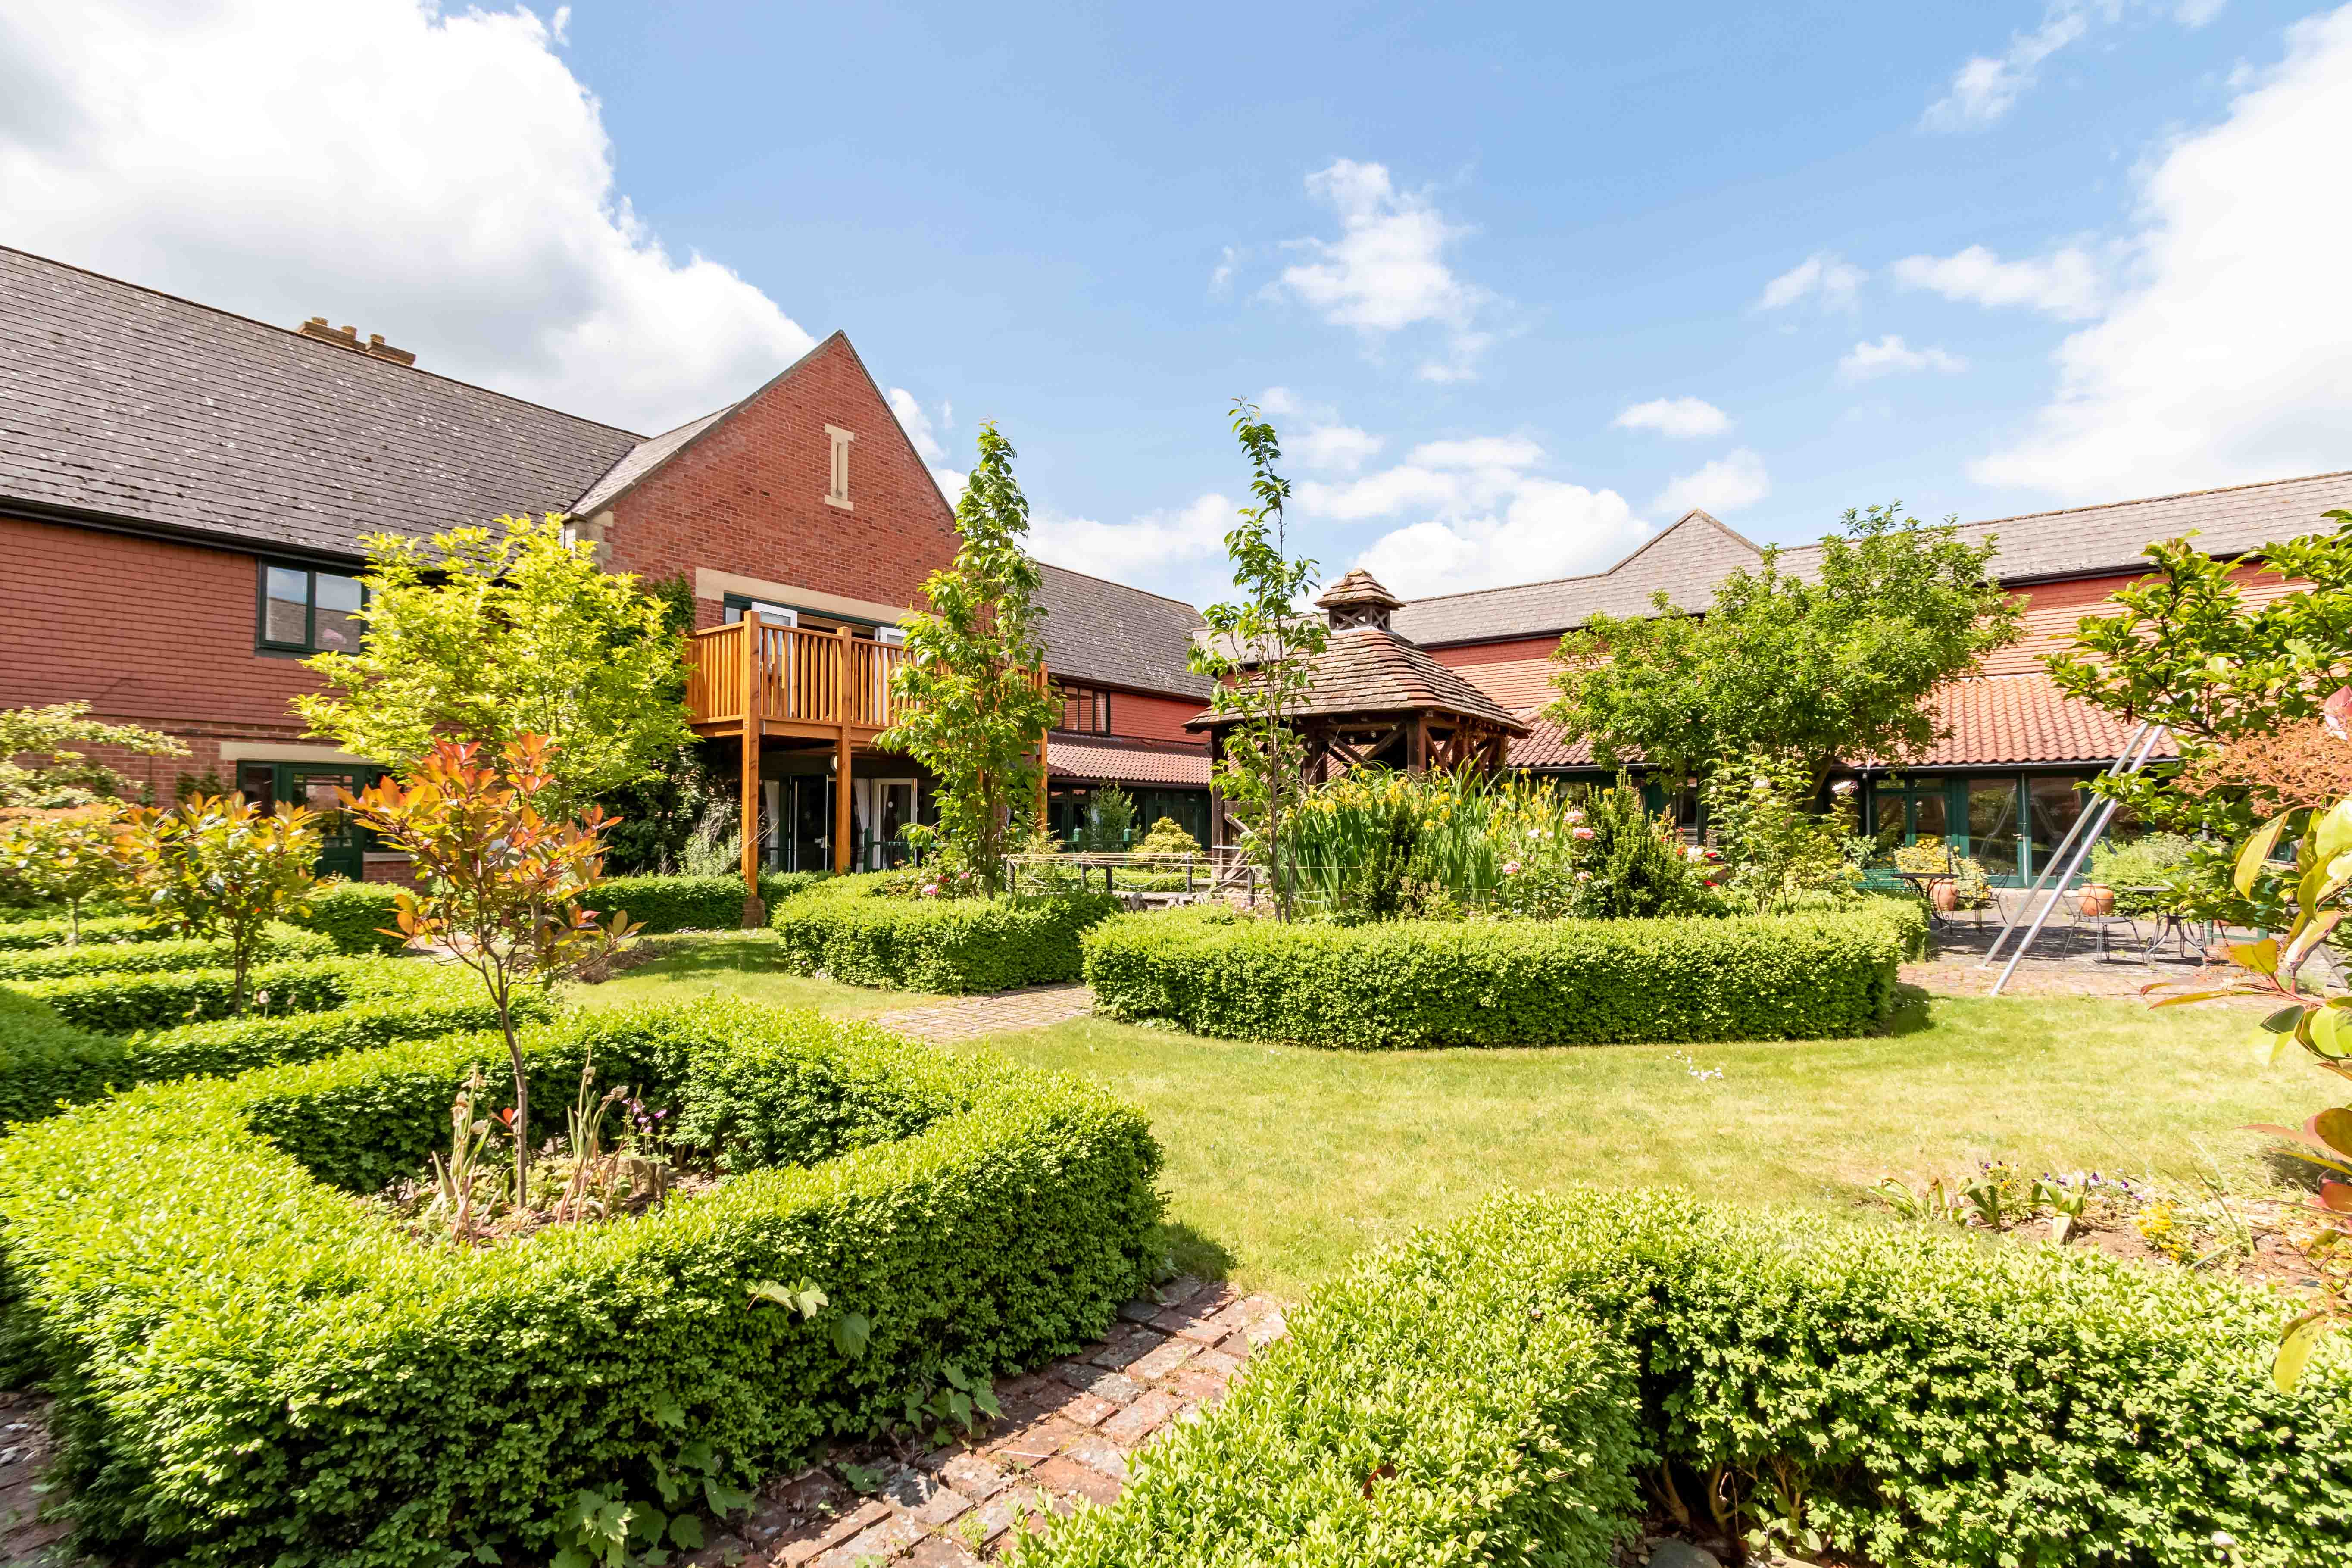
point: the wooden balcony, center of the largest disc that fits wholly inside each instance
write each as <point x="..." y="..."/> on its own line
<point x="756" y="679"/>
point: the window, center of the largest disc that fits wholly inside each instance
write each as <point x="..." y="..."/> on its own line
<point x="770" y="614"/>
<point x="1085" y="710"/>
<point x="304" y="611"/>
<point x="838" y="479"/>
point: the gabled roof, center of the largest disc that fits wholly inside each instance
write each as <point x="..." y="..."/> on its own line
<point x="2082" y="540"/>
<point x="1368" y="670"/>
<point x="1104" y="631"/>
<point x="1686" y="560"/>
<point x="641" y="459"/>
<point x="121" y="402"/>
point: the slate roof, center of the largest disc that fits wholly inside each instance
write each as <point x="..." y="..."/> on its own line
<point x="1366" y="669"/>
<point x="1104" y="631"/>
<point x="1686" y="560"/>
<point x="1170" y="763"/>
<point x="128" y="404"/>
<point x="1691" y="557"/>
<point x="1996" y="721"/>
<point x="641" y="459"/>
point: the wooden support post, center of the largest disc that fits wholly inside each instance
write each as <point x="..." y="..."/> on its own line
<point x="1416" y="754"/>
<point x="844" y="830"/>
<point x="755" y="912"/>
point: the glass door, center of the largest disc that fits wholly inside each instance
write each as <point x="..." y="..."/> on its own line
<point x="895" y="801"/>
<point x="2052" y="806"/>
<point x="1994" y="840"/>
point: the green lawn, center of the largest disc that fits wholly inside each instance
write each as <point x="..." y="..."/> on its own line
<point x="1283" y="1162"/>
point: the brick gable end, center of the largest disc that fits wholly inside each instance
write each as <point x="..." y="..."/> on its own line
<point x="748" y="495"/>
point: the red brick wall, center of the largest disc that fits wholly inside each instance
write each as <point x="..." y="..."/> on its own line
<point x="749" y="496"/>
<point x="1151" y="717"/>
<point x="1515" y="672"/>
<point x="148" y="632"/>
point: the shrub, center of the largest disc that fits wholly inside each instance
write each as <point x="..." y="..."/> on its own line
<point x="218" y="866"/>
<point x="360" y="917"/>
<point x="1558" y="983"/>
<point x="2158" y="860"/>
<point x="1971" y="889"/>
<point x="278" y="943"/>
<point x="1909" y="1394"/>
<point x="24" y="935"/>
<point x="1168" y="837"/>
<point x="118" y="1003"/>
<point x="45" y="1060"/>
<point x="259" y="1369"/>
<point x="938" y="944"/>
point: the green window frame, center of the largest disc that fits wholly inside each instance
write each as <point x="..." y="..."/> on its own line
<point x="304" y="609"/>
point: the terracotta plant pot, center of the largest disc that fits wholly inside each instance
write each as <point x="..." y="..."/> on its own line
<point x="2097" y="899"/>
<point x="1945" y="896"/>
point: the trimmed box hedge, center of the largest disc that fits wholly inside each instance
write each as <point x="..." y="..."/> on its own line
<point x="278" y="944"/>
<point x="1413" y="983"/>
<point x="47" y="1063"/>
<point x="20" y="936"/>
<point x="848" y="932"/>
<point x="118" y="1004"/>
<point x="251" y="1367"/>
<point x="1917" y="1396"/>
<point x="357" y="915"/>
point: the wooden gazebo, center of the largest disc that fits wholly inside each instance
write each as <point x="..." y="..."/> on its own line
<point x="1379" y="700"/>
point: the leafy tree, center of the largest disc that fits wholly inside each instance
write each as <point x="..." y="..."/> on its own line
<point x="1814" y="667"/>
<point x="475" y="635"/>
<point x="218" y="866"/>
<point x="2240" y="687"/>
<point x="60" y="774"/>
<point x="1110" y="816"/>
<point x="499" y="879"/>
<point x="65" y="857"/>
<point x="1261" y="653"/>
<point x="1639" y="868"/>
<point x="975" y="707"/>
<point x="1773" y="846"/>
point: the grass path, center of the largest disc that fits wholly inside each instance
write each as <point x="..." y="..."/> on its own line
<point x="1284" y="1162"/>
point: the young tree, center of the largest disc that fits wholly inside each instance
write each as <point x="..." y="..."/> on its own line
<point x="60" y="774"/>
<point x="487" y="637"/>
<point x="1261" y="653"/>
<point x="218" y="866"/>
<point x="500" y="881"/>
<point x="1816" y="669"/>
<point x="65" y="857"/>
<point x="975" y="710"/>
<point x="2239" y="688"/>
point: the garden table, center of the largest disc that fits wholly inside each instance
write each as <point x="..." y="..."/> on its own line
<point x="1924" y="884"/>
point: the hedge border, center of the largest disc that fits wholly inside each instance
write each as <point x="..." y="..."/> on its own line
<point x="279" y="943"/>
<point x="847" y="931"/>
<point x="120" y="1003"/>
<point x="1420" y="984"/>
<point x="1931" y="1401"/>
<point x="249" y="1367"/>
<point x="357" y="915"/>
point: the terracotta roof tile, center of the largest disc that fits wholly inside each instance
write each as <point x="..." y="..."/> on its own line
<point x="1994" y="721"/>
<point x="1129" y="763"/>
<point x="1365" y="669"/>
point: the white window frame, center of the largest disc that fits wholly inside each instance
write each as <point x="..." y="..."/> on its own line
<point x="894" y="636"/>
<point x="838" y="468"/>
<point x="773" y="615"/>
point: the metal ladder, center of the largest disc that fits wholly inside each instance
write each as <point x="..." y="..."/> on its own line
<point x="2070" y="854"/>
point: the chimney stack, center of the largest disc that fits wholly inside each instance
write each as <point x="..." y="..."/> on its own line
<point x="349" y="338"/>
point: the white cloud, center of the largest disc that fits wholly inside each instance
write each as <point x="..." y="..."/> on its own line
<point x="1220" y="278"/>
<point x="1989" y="86"/>
<point x="1682" y="417"/>
<point x="443" y="179"/>
<point x="1548" y="529"/>
<point x="1726" y="484"/>
<point x="1890" y="355"/>
<point x="918" y="424"/>
<point x="1315" y="437"/>
<point x="2231" y="357"/>
<point x="2065" y="283"/>
<point x="1387" y="271"/>
<point x="1180" y="551"/>
<point x="1822" y="276"/>
<point x="951" y="482"/>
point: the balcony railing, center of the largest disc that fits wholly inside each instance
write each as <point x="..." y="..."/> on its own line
<point x="774" y="675"/>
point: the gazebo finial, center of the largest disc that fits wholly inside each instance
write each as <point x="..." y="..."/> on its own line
<point x="1357" y="600"/>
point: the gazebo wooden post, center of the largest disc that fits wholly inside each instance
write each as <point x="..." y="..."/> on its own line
<point x="1216" y="796"/>
<point x="1416" y="746"/>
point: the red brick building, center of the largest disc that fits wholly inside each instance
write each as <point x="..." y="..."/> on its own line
<point x="184" y="493"/>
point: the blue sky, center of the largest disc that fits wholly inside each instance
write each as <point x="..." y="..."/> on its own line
<point x="1988" y="259"/>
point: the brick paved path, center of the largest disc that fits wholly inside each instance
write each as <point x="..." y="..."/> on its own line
<point x="968" y="1017"/>
<point x="1068" y="1435"/>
